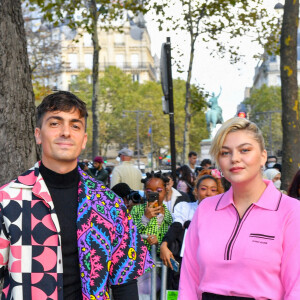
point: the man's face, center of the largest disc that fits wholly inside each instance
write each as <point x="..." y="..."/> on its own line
<point x="193" y="160"/>
<point x="62" y="136"/>
<point x="97" y="165"/>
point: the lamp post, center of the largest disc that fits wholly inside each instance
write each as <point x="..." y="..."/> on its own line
<point x="137" y="116"/>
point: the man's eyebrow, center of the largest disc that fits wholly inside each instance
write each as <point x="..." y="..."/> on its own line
<point x="61" y="119"/>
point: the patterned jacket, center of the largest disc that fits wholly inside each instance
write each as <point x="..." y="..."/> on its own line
<point x="152" y="227"/>
<point x="110" y="249"/>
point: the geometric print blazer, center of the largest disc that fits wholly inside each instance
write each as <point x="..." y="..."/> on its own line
<point x="111" y="251"/>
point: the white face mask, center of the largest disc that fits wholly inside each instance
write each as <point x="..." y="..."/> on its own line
<point x="277" y="184"/>
<point x="270" y="165"/>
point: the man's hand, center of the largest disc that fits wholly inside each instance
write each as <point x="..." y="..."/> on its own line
<point x="166" y="254"/>
<point x="152" y="240"/>
<point x="151" y="212"/>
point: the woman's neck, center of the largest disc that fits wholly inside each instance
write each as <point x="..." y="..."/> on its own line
<point x="247" y="193"/>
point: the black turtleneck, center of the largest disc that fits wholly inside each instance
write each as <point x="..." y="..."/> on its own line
<point x="63" y="189"/>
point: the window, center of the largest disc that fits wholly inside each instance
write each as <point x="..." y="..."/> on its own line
<point x="87" y="40"/>
<point x="120" y="61"/>
<point x="134" y="60"/>
<point x="136" y="77"/>
<point x="73" y="60"/>
<point x="119" y="39"/>
<point x="88" y="61"/>
<point x="73" y="78"/>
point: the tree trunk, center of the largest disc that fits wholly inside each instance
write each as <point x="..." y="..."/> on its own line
<point x="95" y="112"/>
<point x="289" y="93"/>
<point x="17" y="110"/>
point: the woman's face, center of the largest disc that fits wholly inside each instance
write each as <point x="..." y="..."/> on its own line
<point x="207" y="188"/>
<point x="170" y="184"/>
<point x="157" y="185"/>
<point x="277" y="177"/>
<point x="241" y="157"/>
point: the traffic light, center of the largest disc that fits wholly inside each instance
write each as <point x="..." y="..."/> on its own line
<point x="242" y="114"/>
<point x="160" y="160"/>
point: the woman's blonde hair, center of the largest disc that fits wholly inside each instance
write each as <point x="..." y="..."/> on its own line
<point x="233" y="125"/>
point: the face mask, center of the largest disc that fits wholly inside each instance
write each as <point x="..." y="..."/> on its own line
<point x="270" y="165"/>
<point x="277" y="184"/>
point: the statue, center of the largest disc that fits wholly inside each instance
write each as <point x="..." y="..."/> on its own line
<point x="214" y="114"/>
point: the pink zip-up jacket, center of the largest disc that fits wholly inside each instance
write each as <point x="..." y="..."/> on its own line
<point x="257" y="256"/>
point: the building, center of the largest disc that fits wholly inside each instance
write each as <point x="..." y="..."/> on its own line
<point x="129" y="50"/>
<point x="268" y="69"/>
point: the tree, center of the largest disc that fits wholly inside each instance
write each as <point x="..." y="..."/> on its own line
<point x="43" y="47"/>
<point x="289" y="92"/>
<point x="17" y="110"/>
<point x="119" y="93"/>
<point x="265" y="111"/>
<point x="211" y="20"/>
<point x="88" y="14"/>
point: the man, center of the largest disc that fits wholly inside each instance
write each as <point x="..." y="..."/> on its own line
<point x="205" y="164"/>
<point x="98" y="172"/>
<point x="271" y="161"/>
<point x="63" y="234"/>
<point x="192" y="161"/>
<point x="127" y="172"/>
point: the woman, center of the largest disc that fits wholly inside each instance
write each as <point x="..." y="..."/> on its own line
<point x="294" y="189"/>
<point x="206" y="186"/>
<point x="153" y="218"/>
<point x="243" y="243"/>
<point x="173" y="196"/>
<point x="274" y="175"/>
<point x="186" y="181"/>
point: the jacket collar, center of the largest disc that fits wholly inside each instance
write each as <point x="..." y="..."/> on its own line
<point x="270" y="199"/>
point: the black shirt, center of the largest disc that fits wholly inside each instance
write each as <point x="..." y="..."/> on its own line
<point x="63" y="189"/>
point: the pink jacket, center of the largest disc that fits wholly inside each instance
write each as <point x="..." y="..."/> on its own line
<point x="257" y="256"/>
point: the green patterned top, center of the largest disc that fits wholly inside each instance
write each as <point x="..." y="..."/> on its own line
<point x="152" y="227"/>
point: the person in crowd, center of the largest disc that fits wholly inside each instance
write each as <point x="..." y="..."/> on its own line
<point x="241" y="244"/>
<point x="205" y="164"/>
<point x="294" y="188"/>
<point x="126" y="171"/>
<point x="271" y="161"/>
<point x="206" y="185"/>
<point x="56" y="237"/>
<point x="130" y="197"/>
<point x="278" y="167"/>
<point x="153" y="218"/>
<point x="192" y="157"/>
<point x="274" y="175"/>
<point x="98" y="171"/>
<point x="173" y="196"/>
<point x="186" y="182"/>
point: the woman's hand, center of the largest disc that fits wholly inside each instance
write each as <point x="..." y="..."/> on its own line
<point x="152" y="240"/>
<point x="151" y="212"/>
<point x="166" y="254"/>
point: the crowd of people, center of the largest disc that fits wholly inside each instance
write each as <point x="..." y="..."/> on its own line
<point x="73" y="230"/>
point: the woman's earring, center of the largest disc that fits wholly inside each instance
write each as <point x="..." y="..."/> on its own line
<point x="221" y="173"/>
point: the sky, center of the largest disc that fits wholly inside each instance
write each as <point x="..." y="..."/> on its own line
<point x="213" y="73"/>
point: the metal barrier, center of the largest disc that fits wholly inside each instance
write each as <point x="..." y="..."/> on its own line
<point x="164" y="270"/>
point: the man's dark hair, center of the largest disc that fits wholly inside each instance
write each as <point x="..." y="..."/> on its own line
<point x="272" y="156"/>
<point x="205" y="161"/>
<point x="60" y="101"/>
<point x="193" y="153"/>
